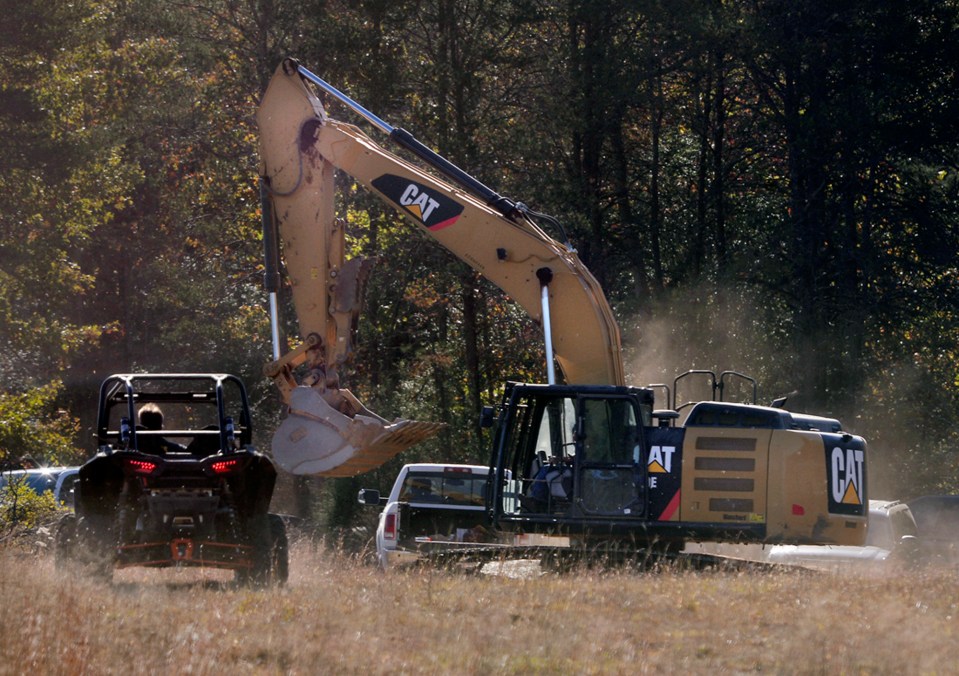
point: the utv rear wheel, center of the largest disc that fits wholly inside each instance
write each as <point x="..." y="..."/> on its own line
<point x="80" y="547"/>
<point x="64" y="543"/>
<point x="271" y="565"/>
<point x="280" y="550"/>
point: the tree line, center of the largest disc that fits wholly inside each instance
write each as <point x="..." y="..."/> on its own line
<point x="767" y="186"/>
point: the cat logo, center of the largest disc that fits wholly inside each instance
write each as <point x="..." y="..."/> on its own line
<point x="660" y="463"/>
<point x="661" y="459"/>
<point x="847" y="475"/>
<point x="428" y="206"/>
<point x="418" y="202"/>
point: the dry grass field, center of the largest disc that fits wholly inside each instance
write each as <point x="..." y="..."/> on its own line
<point x="339" y="616"/>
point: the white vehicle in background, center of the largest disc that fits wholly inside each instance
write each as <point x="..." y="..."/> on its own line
<point x="431" y="506"/>
<point x="63" y="491"/>
<point x="891" y="537"/>
<point x="937" y="517"/>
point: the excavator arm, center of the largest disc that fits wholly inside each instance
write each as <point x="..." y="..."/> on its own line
<point x="329" y="432"/>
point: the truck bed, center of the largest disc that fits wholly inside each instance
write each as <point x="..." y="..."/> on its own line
<point x="423" y="523"/>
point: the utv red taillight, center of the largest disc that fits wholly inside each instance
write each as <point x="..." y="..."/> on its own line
<point x="389" y="527"/>
<point x="141" y="466"/>
<point x="225" y="466"/>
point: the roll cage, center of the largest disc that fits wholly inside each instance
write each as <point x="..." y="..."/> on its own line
<point x="210" y="412"/>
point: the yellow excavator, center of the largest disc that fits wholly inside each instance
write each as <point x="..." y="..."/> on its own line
<point x="581" y="456"/>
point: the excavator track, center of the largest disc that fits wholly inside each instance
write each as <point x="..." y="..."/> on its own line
<point x="553" y="559"/>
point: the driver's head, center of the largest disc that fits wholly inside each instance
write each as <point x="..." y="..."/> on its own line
<point x="151" y="417"/>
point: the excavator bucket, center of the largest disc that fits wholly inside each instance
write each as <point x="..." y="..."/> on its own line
<point x="316" y="439"/>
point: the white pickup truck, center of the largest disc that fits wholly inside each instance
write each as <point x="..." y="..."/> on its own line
<point x="431" y="506"/>
<point x="891" y="539"/>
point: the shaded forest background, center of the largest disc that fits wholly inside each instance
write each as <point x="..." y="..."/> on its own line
<point x="764" y="186"/>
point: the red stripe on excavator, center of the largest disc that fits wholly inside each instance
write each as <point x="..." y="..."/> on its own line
<point x="444" y="224"/>
<point x="670" y="509"/>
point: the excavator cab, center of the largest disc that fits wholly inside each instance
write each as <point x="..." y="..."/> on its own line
<point x="576" y="453"/>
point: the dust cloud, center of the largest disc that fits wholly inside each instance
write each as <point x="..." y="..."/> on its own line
<point x="898" y="408"/>
<point x="703" y="329"/>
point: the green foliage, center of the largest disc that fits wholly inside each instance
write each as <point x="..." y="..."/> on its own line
<point x="22" y="510"/>
<point x="33" y="426"/>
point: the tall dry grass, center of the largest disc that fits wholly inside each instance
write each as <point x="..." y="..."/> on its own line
<point x="339" y="616"/>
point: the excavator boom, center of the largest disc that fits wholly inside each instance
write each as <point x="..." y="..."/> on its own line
<point x="301" y="147"/>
